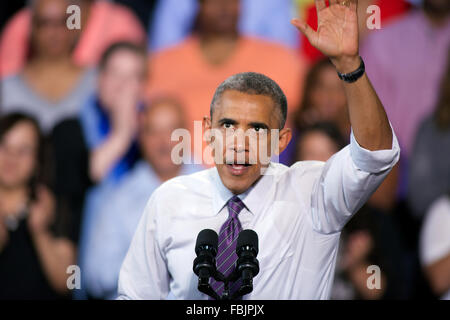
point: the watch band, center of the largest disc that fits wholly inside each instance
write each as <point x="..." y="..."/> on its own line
<point x="355" y="75"/>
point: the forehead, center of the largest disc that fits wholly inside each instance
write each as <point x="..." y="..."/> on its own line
<point x="22" y="132"/>
<point x="245" y="107"/>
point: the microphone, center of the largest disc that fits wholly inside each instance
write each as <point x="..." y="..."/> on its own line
<point x="247" y="265"/>
<point x="205" y="263"/>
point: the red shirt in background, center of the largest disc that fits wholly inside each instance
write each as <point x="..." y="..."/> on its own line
<point x="389" y="10"/>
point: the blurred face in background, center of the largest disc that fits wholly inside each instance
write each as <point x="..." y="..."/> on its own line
<point x="315" y="145"/>
<point x="123" y="74"/>
<point x="50" y="36"/>
<point x="18" y="154"/>
<point x="156" y="124"/>
<point x="327" y="96"/>
<point x="219" y="16"/>
<point x="437" y="7"/>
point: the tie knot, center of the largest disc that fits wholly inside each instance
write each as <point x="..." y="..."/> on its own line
<point x="235" y="205"/>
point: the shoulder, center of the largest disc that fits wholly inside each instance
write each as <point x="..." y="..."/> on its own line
<point x="304" y="171"/>
<point x="270" y="48"/>
<point x="16" y="93"/>
<point x="439" y="212"/>
<point x="11" y="81"/>
<point x="186" y="185"/>
<point x="307" y="168"/>
<point x="434" y="241"/>
<point x="175" y="51"/>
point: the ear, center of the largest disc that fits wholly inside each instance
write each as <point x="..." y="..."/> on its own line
<point x="206" y="124"/>
<point x="284" y="138"/>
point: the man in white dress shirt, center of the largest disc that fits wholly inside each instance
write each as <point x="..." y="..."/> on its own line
<point x="298" y="212"/>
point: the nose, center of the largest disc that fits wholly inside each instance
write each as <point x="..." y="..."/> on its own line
<point x="240" y="141"/>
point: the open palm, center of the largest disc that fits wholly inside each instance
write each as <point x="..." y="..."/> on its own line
<point x="337" y="31"/>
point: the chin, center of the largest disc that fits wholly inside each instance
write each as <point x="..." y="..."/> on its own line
<point x="238" y="180"/>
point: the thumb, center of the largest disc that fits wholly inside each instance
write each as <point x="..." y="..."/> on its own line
<point x="304" y="28"/>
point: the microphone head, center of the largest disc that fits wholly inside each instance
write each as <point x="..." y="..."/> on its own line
<point x="248" y="238"/>
<point x="207" y="237"/>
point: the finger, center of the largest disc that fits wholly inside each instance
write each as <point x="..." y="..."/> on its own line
<point x="334" y="2"/>
<point x="305" y="29"/>
<point x="354" y="5"/>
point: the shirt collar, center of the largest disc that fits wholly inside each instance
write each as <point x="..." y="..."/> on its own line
<point x="251" y="197"/>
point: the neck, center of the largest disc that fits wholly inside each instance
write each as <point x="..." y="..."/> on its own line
<point x="217" y="49"/>
<point x="12" y="199"/>
<point x="167" y="175"/>
<point x="214" y="37"/>
<point x="51" y="63"/>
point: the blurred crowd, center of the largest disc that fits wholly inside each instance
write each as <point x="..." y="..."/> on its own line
<point x="86" y="117"/>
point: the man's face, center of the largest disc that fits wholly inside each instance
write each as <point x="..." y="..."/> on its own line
<point x="219" y="16"/>
<point x="156" y="125"/>
<point x="244" y="124"/>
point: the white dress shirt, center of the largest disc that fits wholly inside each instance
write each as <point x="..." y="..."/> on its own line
<point x="298" y="213"/>
<point x="435" y="235"/>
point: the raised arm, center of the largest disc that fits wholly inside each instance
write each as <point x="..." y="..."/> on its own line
<point x="337" y="38"/>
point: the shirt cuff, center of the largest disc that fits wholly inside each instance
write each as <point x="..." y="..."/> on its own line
<point x="374" y="161"/>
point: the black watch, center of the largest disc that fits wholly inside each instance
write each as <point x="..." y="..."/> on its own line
<point x="355" y="75"/>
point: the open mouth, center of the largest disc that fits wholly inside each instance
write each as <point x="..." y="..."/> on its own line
<point x="238" y="169"/>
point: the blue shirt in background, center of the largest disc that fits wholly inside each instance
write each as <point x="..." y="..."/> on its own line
<point x="173" y="20"/>
<point x="113" y="215"/>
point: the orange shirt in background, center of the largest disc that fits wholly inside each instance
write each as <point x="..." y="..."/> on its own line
<point x="182" y="71"/>
<point x="107" y="23"/>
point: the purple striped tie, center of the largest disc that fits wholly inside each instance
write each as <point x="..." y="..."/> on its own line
<point x="226" y="253"/>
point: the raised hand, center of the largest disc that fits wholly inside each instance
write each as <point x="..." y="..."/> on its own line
<point x="337" y="32"/>
<point x="41" y="213"/>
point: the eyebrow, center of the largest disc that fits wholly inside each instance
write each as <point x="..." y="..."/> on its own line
<point x="227" y="120"/>
<point x="259" y="124"/>
<point x="251" y="124"/>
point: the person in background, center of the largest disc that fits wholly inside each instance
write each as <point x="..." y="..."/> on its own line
<point x="429" y="170"/>
<point x="50" y="87"/>
<point x="109" y="122"/>
<point x="102" y="23"/>
<point x="111" y="236"/>
<point x="324" y="100"/>
<point x="319" y="142"/>
<point x="435" y="246"/>
<point x="406" y="61"/>
<point x="109" y="117"/>
<point x="173" y="20"/>
<point x="215" y="50"/>
<point x="35" y="250"/>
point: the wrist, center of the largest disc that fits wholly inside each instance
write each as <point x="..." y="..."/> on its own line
<point x="40" y="234"/>
<point x="346" y="64"/>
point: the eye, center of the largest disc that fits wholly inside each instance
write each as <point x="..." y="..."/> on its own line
<point x="228" y="125"/>
<point x="258" y="129"/>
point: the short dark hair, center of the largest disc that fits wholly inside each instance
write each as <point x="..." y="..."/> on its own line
<point x="121" y="45"/>
<point x="254" y="83"/>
